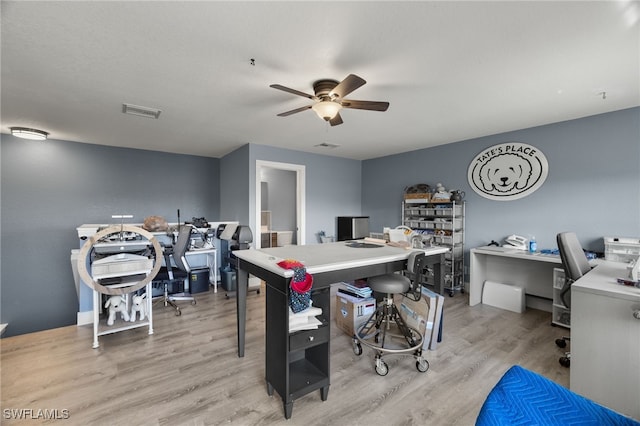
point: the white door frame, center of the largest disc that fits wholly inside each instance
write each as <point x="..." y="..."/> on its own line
<point x="300" y="197"/>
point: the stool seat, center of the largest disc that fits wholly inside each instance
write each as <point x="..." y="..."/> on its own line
<point x="389" y="284"/>
<point x="386" y="332"/>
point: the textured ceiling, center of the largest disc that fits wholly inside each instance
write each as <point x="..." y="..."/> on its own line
<point x="450" y="70"/>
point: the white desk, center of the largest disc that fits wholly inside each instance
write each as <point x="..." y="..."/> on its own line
<point x="298" y="363"/>
<point x="531" y="271"/>
<point x="605" y="339"/>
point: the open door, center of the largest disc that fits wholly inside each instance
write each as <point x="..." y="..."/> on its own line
<point x="295" y="196"/>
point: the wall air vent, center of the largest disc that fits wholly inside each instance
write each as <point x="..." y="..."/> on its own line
<point x="326" y="145"/>
<point x="141" y="111"/>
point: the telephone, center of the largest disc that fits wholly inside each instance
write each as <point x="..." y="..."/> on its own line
<point x="516" y="241"/>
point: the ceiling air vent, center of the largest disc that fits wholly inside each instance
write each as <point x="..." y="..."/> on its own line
<point x="326" y="145"/>
<point x="141" y="111"/>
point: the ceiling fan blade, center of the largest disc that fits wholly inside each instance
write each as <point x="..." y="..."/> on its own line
<point x="293" y="91"/>
<point x="368" y="105"/>
<point x="293" y="111"/>
<point x="336" y="120"/>
<point x="348" y="85"/>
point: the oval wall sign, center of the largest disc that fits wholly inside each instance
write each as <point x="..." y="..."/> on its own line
<point x="508" y="171"/>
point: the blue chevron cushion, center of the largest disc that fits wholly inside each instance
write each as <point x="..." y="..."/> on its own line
<point x="523" y="397"/>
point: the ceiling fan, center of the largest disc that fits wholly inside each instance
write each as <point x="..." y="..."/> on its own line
<point x="329" y="96"/>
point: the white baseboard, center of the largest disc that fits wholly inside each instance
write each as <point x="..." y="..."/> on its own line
<point x="85" y="318"/>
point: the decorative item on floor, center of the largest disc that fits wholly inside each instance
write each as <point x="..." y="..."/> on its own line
<point x="138" y="304"/>
<point x="116" y="304"/>
<point x="155" y="224"/>
<point x="301" y="283"/>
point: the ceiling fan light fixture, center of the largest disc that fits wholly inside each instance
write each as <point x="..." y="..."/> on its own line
<point x="326" y="109"/>
<point x="27" y="133"/>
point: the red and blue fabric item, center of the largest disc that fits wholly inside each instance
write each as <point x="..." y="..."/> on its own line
<point x="301" y="283"/>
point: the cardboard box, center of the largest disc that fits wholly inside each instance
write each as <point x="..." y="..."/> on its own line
<point x="424" y="315"/>
<point x="352" y="312"/>
<point x="423" y="197"/>
<point x="432" y="297"/>
<point x="418" y="315"/>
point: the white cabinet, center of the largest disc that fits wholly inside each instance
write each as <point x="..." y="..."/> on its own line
<point x="561" y="315"/>
<point x="443" y="222"/>
<point x="605" y="339"/>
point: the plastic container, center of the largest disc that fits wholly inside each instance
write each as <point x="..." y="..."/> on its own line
<point x="228" y="279"/>
<point x="621" y="249"/>
<point x="199" y="281"/>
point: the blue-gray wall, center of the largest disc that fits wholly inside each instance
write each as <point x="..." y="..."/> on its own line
<point x="50" y="188"/>
<point x="333" y="186"/>
<point x="593" y="186"/>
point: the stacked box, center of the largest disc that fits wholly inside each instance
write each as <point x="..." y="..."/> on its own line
<point x="352" y="312"/>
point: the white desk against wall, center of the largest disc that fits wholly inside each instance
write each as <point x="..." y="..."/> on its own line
<point x="531" y="271"/>
<point x="605" y="339"/>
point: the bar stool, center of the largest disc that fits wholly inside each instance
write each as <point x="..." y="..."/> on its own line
<point x="385" y="331"/>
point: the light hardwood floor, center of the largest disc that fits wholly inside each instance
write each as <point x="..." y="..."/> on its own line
<point x="188" y="372"/>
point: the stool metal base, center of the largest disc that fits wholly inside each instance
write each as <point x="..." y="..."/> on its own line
<point x="388" y="334"/>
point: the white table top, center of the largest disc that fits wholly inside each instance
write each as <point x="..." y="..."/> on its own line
<point x="319" y="258"/>
<point x="516" y="253"/>
<point x="603" y="280"/>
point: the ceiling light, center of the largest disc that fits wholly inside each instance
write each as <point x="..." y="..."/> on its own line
<point x="26" y="133"/>
<point x="326" y="109"/>
<point x="141" y="111"/>
<point x="326" y="145"/>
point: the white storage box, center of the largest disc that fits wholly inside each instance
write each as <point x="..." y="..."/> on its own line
<point x="448" y="239"/>
<point x="621" y="249"/>
<point x="425" y="224"/>
<point x="449" y="211"/>
<point x="449" y="224"/>
<point x="504" y="296"/>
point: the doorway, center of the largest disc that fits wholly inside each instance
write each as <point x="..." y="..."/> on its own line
<point x="290" y="200"/>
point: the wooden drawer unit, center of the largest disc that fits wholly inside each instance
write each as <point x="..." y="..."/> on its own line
<point x="297" y="363"/>
<point x="308" y="338"/>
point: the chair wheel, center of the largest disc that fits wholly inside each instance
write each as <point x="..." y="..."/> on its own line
<point x="564" y="361"/>
<point x="561" y="343"/>
<point x="357" y="348"/>
<point x="422" y="365"/>
<point x="178" y="312"/>
<point x="193" y="302"/>
<point x="381" y="367"/>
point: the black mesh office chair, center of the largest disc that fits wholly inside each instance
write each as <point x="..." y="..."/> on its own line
<point x="575" y="265"/>
<point x="385" y="331"/>
<point x="170" y="275"/>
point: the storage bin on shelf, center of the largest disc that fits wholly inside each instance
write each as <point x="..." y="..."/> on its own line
<point x="448" y="211"/>
<point x="454" y="253"/>
<point x="448" y="239"/>
<point x="622" y="249"/>
<point x="449" y="224"/>
<point x="562" y="316"/>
